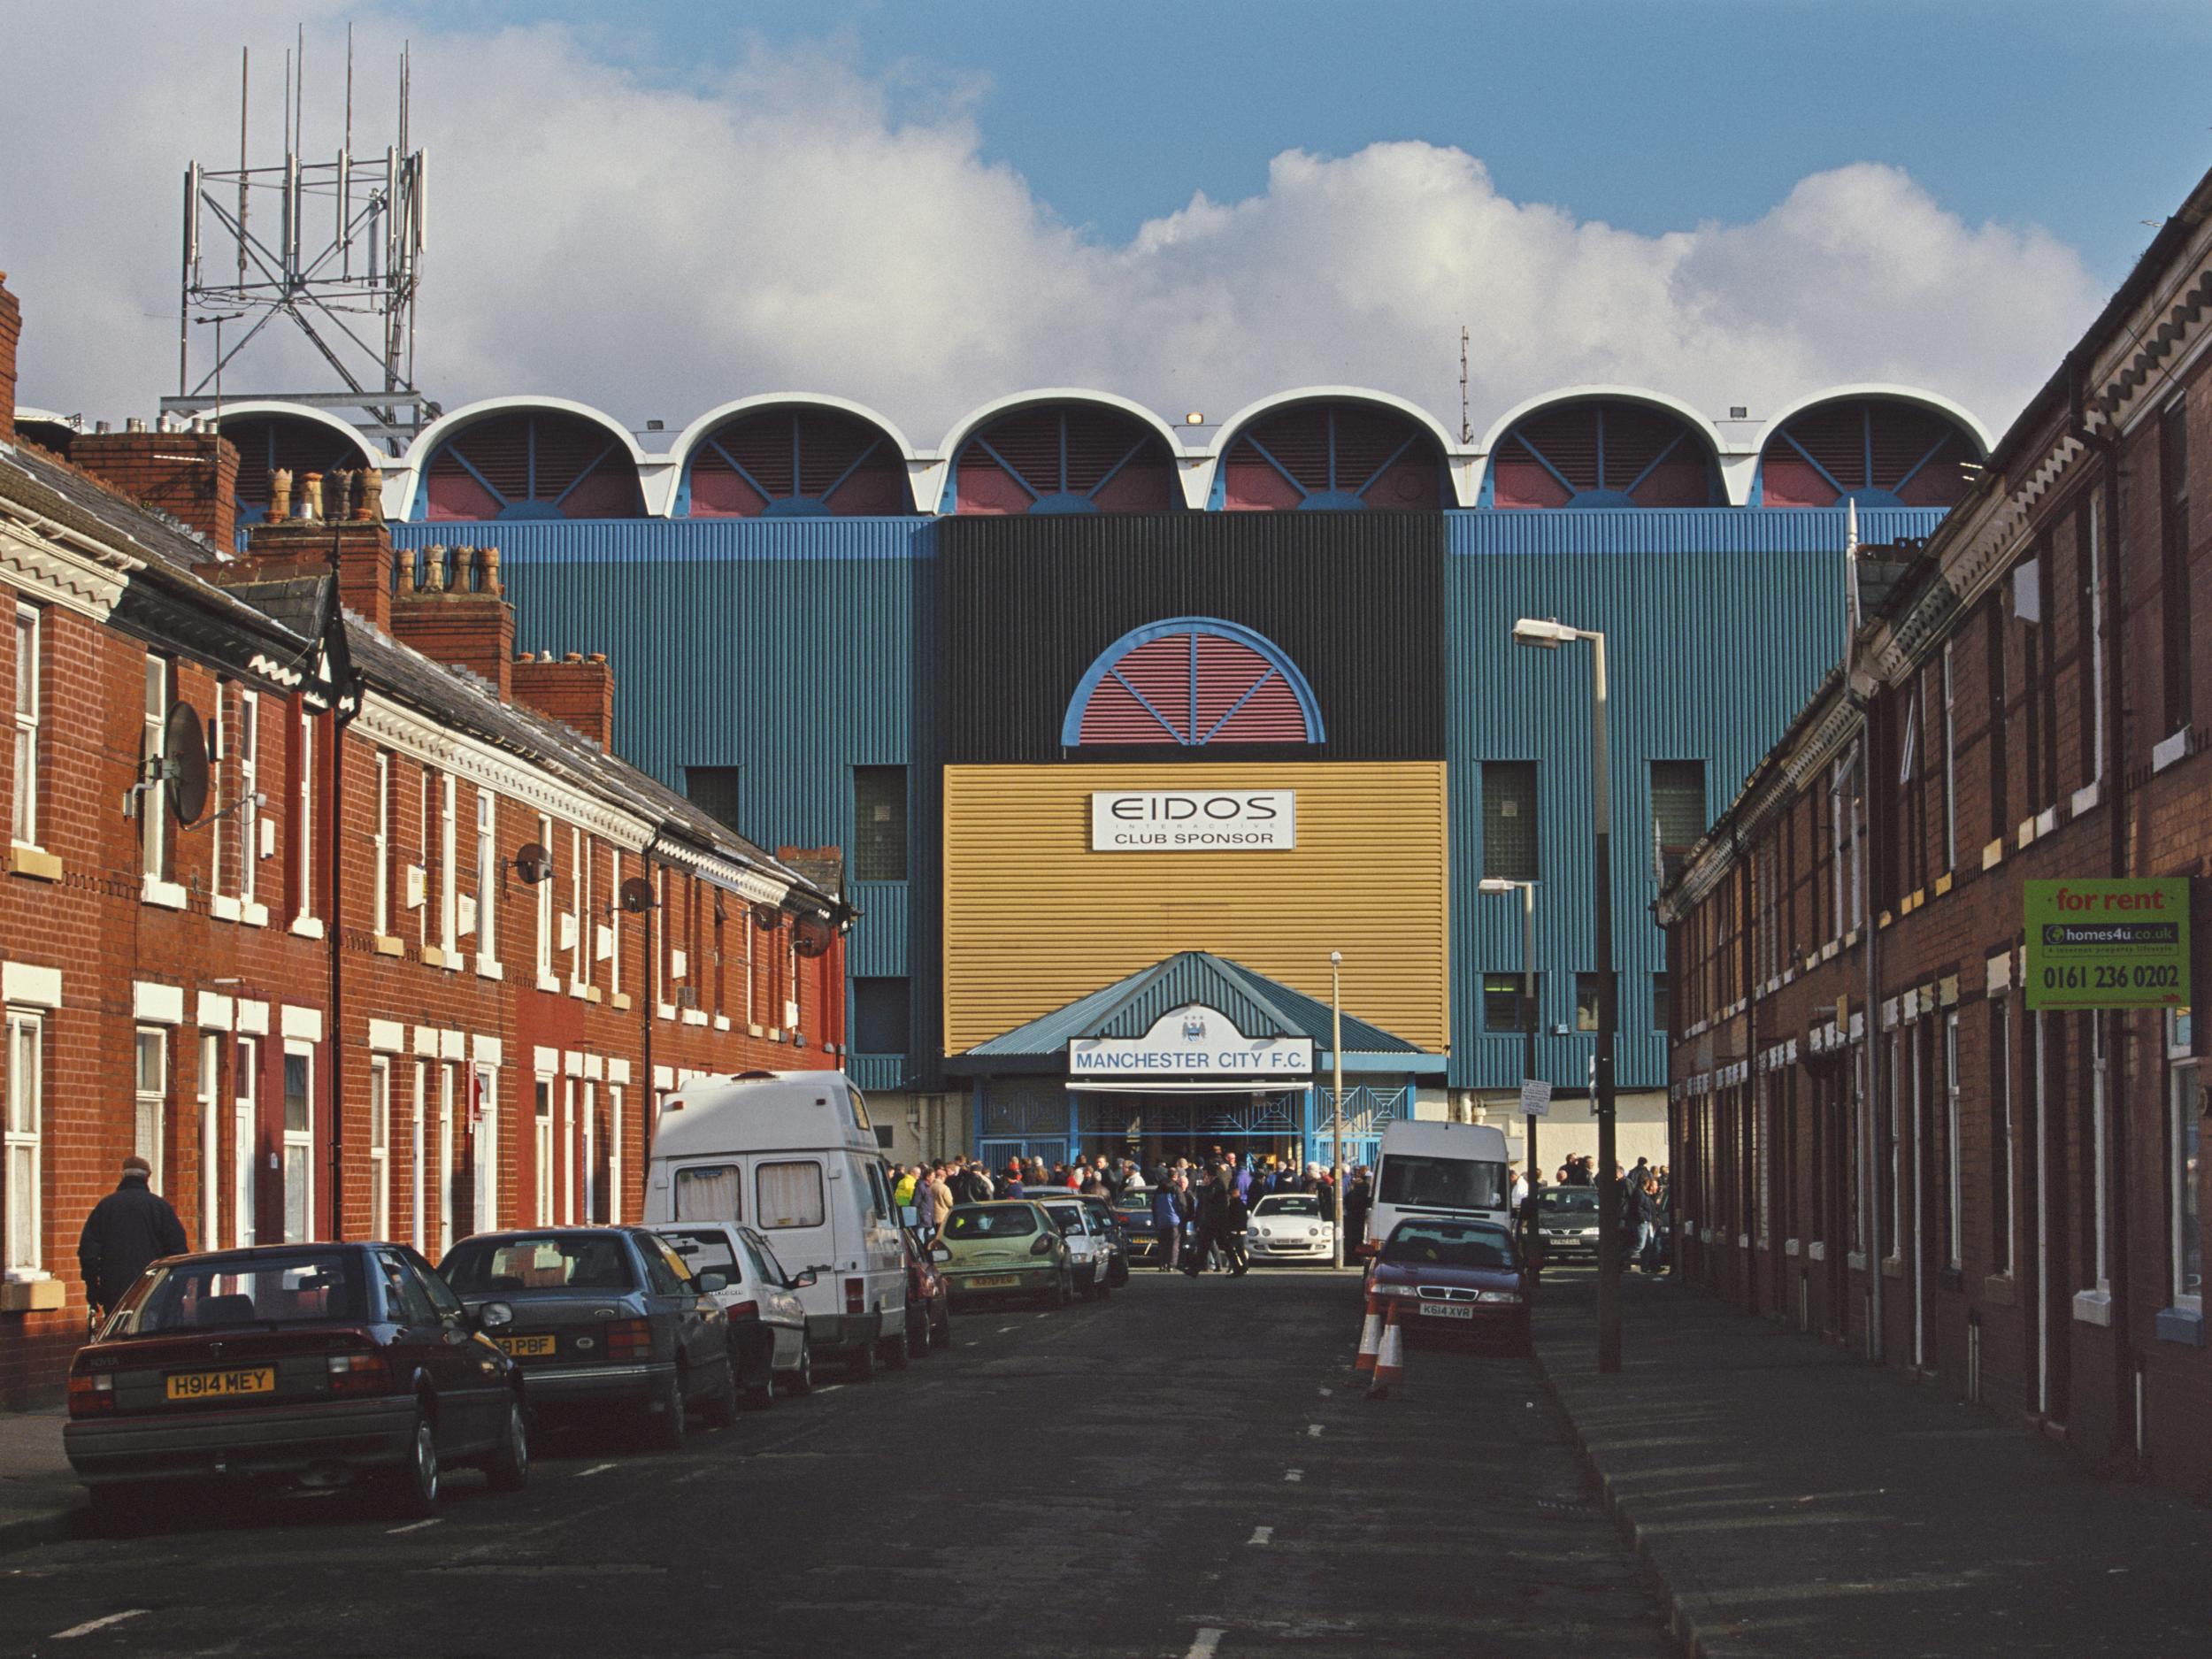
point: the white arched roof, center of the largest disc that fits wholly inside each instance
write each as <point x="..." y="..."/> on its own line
<point x="976" y="418"/>
<point x="1227" y="433"/>
<point x="248" y="408"/>
<point x="1690" y="416"/>
<point x="689" y="437"/>
<point x="438" y="431"/>
<point x="23" y="411"/>
<point x="1934" y="401"/>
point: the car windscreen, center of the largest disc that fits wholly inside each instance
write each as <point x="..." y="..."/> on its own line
<point x="1135" y="1202"/>
<point x="214" y="1294"/>
<point x="541" y="1262"/>
<point x="1067" y="1217"/>
<point x="1301" y="1205"/>
<point x="1016" y="1221"/>
<point x="1569" y="1199"/>
<point x="704" y="1250"/>
<point x="1447" y="1244"/>
<point x="1441" y="1183"/>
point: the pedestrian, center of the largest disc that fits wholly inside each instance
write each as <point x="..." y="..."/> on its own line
<point x="1646" y="1209"/>
<point x="1206" y="1199"/>
<point x="1359" y="1198"/>
<point x="1236" y="1216"/>
<point x="1133" y="1175"/>
<point x="941" y="1197"/>
<point x="128" y="1230"/>
<point x="903" y="1187"/>
<point x="1519" y="1193"/>
<point x="1167" y="1223"/>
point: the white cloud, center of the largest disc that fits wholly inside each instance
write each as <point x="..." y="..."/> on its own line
<point x="656" y="250"/>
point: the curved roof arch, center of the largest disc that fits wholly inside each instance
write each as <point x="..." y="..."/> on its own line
<point x="1877" y="445"/>
<point x="690" y="437"/>
<point x="446" y="427"/>
<point x="1699" y="422"/>
<point x="262" y="408"/>
<point x="1934" y="402"/>
<point x="1189" y="681"/>
<point x="977" y="419"/>
<point x="866" y="451"/>
<point x="1261" y="408"/>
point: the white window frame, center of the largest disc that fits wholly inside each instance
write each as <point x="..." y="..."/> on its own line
<point x="545" y="907"/>
<point x="1950" y="767"/>
<point x="1894" y="1247"/>
<point x="661" y="944"/>
<point x="2096" y="640"/>
<point x="249" y="792"/>
<point x="30" y="635"/>
<point x="484" y="1144"/>
<point x="614" y="1154"/>
<point x="379" y="1147"/>
<point x="614" y="921"/>
<point x="303" y="818"/>
<point x="23" y="1132"/>
<point x="449" y="900"/>
<point x="153" y="800"/>
<point x="590" y="1152"/>
<point x="2181" y="1192"/>
<point x="2101" y="1216"/>
<point x="566" y="1134"/>
<point x="150" y="1106"/>
<point x="487" y="877"/>
<point x="381" y="905"/>
<point x="2007" y="1160"/>
<point x="210" y="1097"/>
<point x="542" y="1149"/>
<point x="245" y="1117"/>
<point x="1953" y="1184"/>
<point x="301" y="1141"/>
<point x="445" y="1157"/>
<point x="418" y="1222"/>
<point x="578" y="958"/>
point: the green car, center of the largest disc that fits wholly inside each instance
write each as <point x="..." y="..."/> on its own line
<point x="1006" y="1248"/>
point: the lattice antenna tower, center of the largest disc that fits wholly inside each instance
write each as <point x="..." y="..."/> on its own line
<point x="333" y="249"/>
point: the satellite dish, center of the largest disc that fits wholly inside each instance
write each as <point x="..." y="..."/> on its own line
<point x="767" y="918"/>
<point x="637" y="895"/>
<point x="184" y="762"/>
<point x="814" y="938"/>
<point x="533" y="863"/>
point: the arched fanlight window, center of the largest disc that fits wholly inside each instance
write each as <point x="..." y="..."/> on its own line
<point x="1878" y="452"/>
<point x="794" y="462"/>
<point x="1602" y="452"/>
<point x="531" y="463"/>
<point x="1332" y="456"/>
<point x="1064" y="457"/>
<point x="1190" y="681"/>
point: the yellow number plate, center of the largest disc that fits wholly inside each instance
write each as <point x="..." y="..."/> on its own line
<point x="214" y="1384"/>
<point x="527" y="1347"/>
<point x="992" y="1281"/>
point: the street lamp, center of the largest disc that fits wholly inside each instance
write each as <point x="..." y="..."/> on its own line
<point x="1549" y="635"/>
<point x="1528" y="890"/>
<point x="1336" y="1118"/>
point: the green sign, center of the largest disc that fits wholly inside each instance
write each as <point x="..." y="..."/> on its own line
<point x="2107" y="944"/>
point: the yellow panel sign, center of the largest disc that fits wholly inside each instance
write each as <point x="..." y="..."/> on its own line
<point x="1042" y="906"/>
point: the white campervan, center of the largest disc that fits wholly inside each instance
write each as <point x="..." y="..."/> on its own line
<point x="1435" y="1169"/>
<point x="793" y="1154"/>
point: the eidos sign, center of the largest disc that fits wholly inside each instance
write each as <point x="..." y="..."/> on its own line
<point x="1194" y="820"/>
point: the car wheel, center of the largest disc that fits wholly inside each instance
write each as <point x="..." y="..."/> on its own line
<point x="919" y="1338"/>
<point x="801" y="1378"/>
<point x="721" y="1407"/>
<point x="415" y="1485"/>
<point x="508" y="1469"/>
<point x="665" y="1428"/>
<point x="860" y="1364"/>
<point x="762" y="1396"/>
<point x="941" y="1333"/>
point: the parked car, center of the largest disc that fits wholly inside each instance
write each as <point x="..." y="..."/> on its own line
<point x="768" y="1338"/>
<point x="794" y="1155"/>
<point x="1289" y="1226"/>
<point x="1106" y="1214"/>
<point x="929" y="1309"/>
<point x="603" y="1316"/>
<point x="1458" y="1277"/>
<point x="1006" y="1248"/>
<point x="315" y="1362"/>
<point x="1090" y="1243"/>
<point x="1133" y="1211"/>
<point x="1567" y="1221"/>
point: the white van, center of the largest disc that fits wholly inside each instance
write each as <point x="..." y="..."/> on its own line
<point x="793" y="1156"/>
<point x="1432" y="1168"/>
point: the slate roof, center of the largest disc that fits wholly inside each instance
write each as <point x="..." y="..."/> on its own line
<point x="1258" y="1005"/>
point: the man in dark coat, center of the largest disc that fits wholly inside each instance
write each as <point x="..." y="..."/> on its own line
<point x="1358" y="1200"/>
<point x="131" y="1227"/>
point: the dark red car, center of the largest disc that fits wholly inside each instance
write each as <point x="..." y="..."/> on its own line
<point x="315" y="1362"/>
<point x="1458" y="1279"/>
<point x="924" y="1291"/>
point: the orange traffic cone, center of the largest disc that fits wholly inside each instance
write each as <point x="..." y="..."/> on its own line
<point x="1370" y="1335"/>
<point x="1390" y="1361"/>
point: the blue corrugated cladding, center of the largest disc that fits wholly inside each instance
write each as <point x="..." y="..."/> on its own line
<point x="783" y="647"/>
<point x="1719" y="624"/>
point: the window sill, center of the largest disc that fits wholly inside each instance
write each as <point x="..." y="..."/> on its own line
<point x="576" y="988"/>
<point x="755" y="1031"/>
<point x="387" y="945"/>
<point x="592" y="993"/>
<point x="721" y="1022"/>
<point x="1789" y="1247"/>
<point x="253" y="915"/>
<point x="433" y="958"/>
<point x="1943" y="883"/>
<point x="224" y="907"/>
<point x="1993" y="854"/>
<point x="2184" y="1325"/>
<point x="170" y="895"/>
<point x="1892" y="1267"/>
<point x="42" y="1294"/>
<point x="694" y="1017"/>
<point x="487" y="968"/>
<point x="1855" y="1260"/>
<point x="308" y="926"/>
<point x="1998" y="1291"/>
<point x="1817" y="1251"/>
<point x="2092" y="1307"/>
<point x="2085" y="798"/>
<point x="620" y="1001"/>
<point x="666" y="1010"/>
<point x="35" y="862"/>
<point x="548" y="984"/>
<point x="2174" y="748"/>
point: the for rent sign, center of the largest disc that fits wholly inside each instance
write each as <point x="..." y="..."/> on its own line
<point x="1194" y="820"/>
<point x="2107" y="944"/>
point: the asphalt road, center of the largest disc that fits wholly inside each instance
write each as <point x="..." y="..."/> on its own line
<point x="1190" y="1469"/>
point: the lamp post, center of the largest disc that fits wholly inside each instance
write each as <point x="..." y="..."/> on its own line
<point x="1336" y="1118"/>
<point x="1549" y="635"/>
<point x="1528" y="890"/>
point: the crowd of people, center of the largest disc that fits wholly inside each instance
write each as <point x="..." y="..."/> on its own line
<point x="1643" y="1212"/>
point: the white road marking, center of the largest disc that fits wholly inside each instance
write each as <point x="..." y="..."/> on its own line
<point x="1294" y="1474"/>
<point x="1203" y="1644"/>
<point x="1004" y="1329"/>
<point x="596" y="1469"/>
<point x="91" y="1625"/>
<point x="1261" y="1535"/>
<point x="412" y="1526"/>
<point x="1313" y="1430"/>
<point x="828" y="1388"/>
<point x="1328" y="1391"/>
<point x="971" y="1345"/>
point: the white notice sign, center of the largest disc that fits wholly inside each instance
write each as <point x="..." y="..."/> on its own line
<point x="1193" y="1041"/>
<point x="1535" y="1097"/>
<point x="1194" y="820"/>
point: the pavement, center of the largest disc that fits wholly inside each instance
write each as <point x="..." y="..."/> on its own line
<point x="1189" y="1470"/>
<point x="40" y="1499"/>
<point x="1795" y="1500"/>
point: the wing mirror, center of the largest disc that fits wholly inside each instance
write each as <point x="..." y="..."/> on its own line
<point x="805" y="1278"/>
<point x="493" y="1314"/>
<point x="939" y="1254"/>
<point x="708" y="1283"/>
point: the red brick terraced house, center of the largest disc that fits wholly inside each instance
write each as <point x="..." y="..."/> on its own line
<point x="1873" y="1136"/>
<point x="385" y="983"/>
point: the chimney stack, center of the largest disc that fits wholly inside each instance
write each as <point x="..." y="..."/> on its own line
<point x="190" y="475"/>
<point x="577" y="691"/>
<point x="286" y="548"/>
<point x="10" y="331"/>
<point x="454" y="610"/>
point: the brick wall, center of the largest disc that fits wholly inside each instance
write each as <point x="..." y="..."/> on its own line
<point x="577" y="691"/>
<point x="190" y="475"/>
<point x="10" y="331"/>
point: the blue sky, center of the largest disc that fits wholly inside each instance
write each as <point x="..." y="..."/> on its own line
<point x="657" y="207"/>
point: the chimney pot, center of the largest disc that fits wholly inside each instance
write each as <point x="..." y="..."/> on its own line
<point x="99" y="425"/>
<point x="368" y="506"/>
<point x="280" y="495"/>
<point x="433" y="568"/>
<point x="492" y="584"/>
<point x="594" y="656"/>
<point x="573" y="656"/>
<point x="311" y="497"/>
<point x="133" y="424"/>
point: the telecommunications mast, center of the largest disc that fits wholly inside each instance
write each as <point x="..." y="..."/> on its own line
<point x="334" y="249"/>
